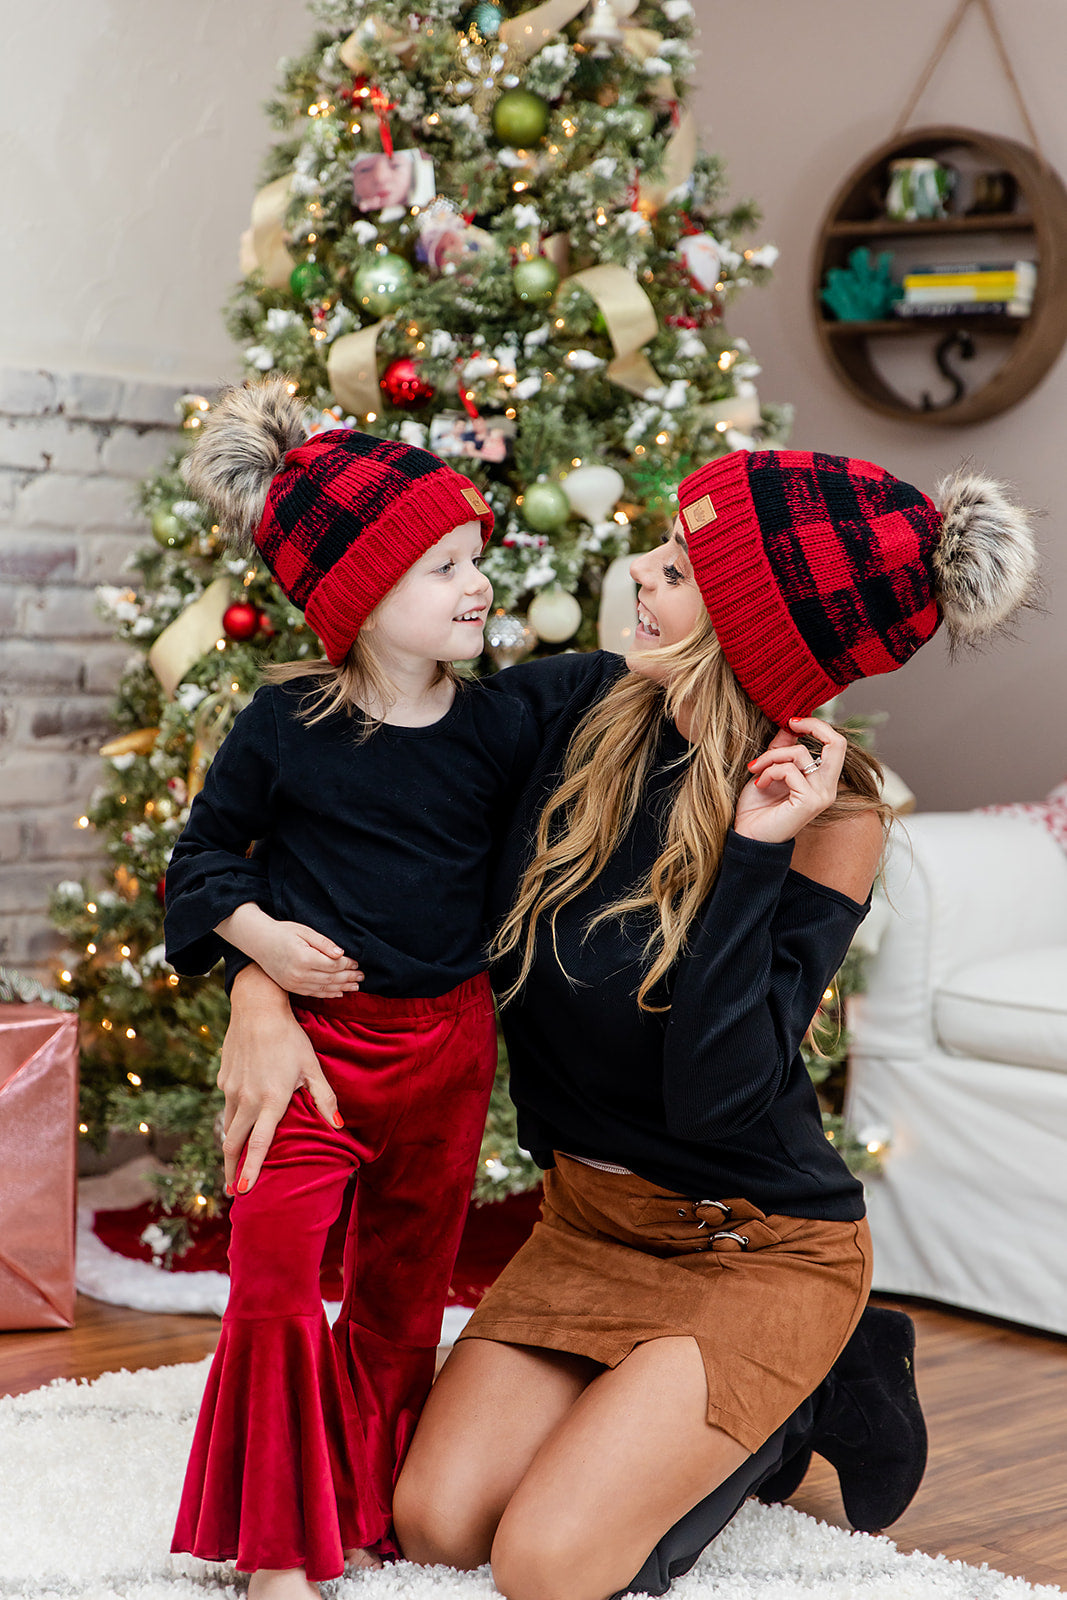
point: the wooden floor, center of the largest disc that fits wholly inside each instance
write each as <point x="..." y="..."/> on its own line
<point x="995" y="1399"/>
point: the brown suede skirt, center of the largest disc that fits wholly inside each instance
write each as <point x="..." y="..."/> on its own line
<point x="616" y="1261"/>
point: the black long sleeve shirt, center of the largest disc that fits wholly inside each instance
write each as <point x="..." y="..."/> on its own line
<point x="710" y="1098"/>
<point x="382" y="844"/>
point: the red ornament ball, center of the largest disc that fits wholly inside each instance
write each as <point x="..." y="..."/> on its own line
<point x="266" y="626"/>
<point x="402" y="384"/>
<point x="161" y="891"/>
<point x="241" y="621"/>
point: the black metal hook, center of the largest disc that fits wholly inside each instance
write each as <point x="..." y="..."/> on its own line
<point x="962" y="342"/>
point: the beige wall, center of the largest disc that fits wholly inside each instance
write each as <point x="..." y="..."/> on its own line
<point x="131" y="136"/>
<point x="130" y="140"/>
<point x="793" y="93"/>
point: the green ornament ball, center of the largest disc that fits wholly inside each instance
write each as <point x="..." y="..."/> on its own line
<point x="486" y="17"/>
<point x="638" y="122"/>
<point x="167" y="531"/>
<point x="382" y="283"/>
<point x="545" y="507"/>
<point x="520" y="118"/>
<point x="307" y="280"/>
<point x="536" y="280"/>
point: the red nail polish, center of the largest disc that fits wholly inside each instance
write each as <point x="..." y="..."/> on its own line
<point x="242" y="1186"/>
<point x="338" y="1120"/>
<point x="751" y="765"/>
<point x="229" y="1189"/>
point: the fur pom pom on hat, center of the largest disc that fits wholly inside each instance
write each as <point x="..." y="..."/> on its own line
<point x="818" y="570"/>
<point x="338" y="518"/>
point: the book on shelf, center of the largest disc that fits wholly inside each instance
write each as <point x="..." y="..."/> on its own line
<point x="1006" y="283"/>
<point x="967" y="292"/>
<point x="950" y="268"/>
<point x="962" y="308"/>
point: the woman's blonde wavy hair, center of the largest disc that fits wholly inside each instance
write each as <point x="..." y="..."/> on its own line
<point x="607" y="763"/>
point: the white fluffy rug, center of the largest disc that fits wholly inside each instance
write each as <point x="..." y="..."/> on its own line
<point x="90" y="1476"/>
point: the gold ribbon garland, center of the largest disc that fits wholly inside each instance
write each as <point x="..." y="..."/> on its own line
<point x="137" y="743"/>
<point x="190" y="636"/>
<point x="263" y="244"/>
<point x="679" y="158"/>
<point x="214" y="718"/>
<point x="526" y="34"/>
<point x="352" y="370"/>
<point x="353" y="50"/>
<point x="630" y="318"/>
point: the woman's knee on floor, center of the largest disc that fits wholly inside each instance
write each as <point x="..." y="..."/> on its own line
<point x="551" y="1559"/>
<point x="437" y="1528"/>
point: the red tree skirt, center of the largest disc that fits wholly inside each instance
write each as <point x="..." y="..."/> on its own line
<point x="492" y="1234"/>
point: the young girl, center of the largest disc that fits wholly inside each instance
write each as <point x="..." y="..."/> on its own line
<point x="374" y="783"/>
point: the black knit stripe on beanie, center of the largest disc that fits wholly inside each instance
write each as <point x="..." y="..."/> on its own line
<point x="318" y="505"/>
<point x="852" y="547"/>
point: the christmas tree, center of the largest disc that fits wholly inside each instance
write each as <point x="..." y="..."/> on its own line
<point x="483" y="230"/>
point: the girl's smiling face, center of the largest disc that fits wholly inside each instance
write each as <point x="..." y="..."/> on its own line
<point x="437" y="611"/>
<point x="669" y="604"/>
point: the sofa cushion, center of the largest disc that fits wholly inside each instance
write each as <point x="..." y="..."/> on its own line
<point x="1012" y="1008"/>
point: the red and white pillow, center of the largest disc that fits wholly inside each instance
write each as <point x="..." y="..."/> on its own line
<point x="1050" y="812"/>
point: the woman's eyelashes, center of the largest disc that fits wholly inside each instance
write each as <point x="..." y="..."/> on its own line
<point x="672" y="574"/>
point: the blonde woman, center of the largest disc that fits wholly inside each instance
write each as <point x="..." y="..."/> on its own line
<point x="691" y="858"/>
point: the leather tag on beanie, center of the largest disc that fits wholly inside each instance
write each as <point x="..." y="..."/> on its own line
<point x="699" y="514"/>
<point x="473" y="498"/>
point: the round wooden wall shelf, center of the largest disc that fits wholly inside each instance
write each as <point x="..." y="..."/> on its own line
<point x="1036" y="228"/>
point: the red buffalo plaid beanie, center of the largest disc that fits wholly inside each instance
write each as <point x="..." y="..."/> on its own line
<point x="347" y="514"/>
<point x="816" y="570"/>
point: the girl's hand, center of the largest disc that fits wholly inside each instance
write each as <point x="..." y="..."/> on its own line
<point x="305" y="962"/>
<point x="789" y="786"/>
<point x="296" y="957"/>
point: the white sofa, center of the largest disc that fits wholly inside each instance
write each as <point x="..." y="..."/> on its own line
<point x="960" y="1056"/>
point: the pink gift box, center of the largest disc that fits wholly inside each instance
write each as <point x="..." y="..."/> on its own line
<point x="38" y="1163"/>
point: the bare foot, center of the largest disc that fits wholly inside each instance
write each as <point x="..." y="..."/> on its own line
<point x="285" y="1583"/>
<point x="363" y="1558"/>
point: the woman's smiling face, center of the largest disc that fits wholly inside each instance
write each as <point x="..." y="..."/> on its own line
<point x="669" y="604"/>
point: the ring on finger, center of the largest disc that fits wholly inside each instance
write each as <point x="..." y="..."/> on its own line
<point x="816" y="762"/>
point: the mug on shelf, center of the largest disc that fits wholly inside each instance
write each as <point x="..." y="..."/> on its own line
<point x="919" y="187"/>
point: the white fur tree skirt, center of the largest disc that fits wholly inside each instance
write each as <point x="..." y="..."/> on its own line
<point x="91" y="1474"/>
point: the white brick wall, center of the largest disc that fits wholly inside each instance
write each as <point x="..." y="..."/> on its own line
<point x="72" y="450"/>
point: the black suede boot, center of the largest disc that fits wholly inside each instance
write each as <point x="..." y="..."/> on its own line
<point x="871" y="1426"/>
<point x="868" y="1424"/>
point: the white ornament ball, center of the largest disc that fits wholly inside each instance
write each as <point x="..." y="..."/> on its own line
<point x="617" y="619"/>
<point x="593" y="491"/>
<point x="554" y="615"/>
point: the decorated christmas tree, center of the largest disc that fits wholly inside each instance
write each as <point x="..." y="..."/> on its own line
<point x="484" y="230"/>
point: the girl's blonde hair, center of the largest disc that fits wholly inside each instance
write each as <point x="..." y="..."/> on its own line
<point x="358" y="683"/>
<point x="608" y="760"/>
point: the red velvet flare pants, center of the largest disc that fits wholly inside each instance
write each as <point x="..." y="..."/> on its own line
<point x="302" y="1429"/>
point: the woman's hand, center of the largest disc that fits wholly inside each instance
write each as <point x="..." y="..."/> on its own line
<point x="789" y="786"/>
<point x="296" y="957"/>
<point x="266" y="1057"/>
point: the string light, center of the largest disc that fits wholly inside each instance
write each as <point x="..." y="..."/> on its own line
<point x="830" y="1135"/>
<point x="620" y="516"/>
<point x="663" y="438"/>
<point x="124" y="950"/>
<point x="559" y="323"/>
<point x="174" y="980"/>
<point x="132" y="1077"/>
<point x="143" y="1127"/>
<point x="201" y="1200"/>
<point x="220" y="644"/>
<point x="131" y="1033"/>
<point x="107" y="1024"/>
<point x="576" y="461"/>
<point x="433" y="119"/>
<point x="90" y="905"/>
<point x="83" y="822"/>
<point x="234" y="686"/>
<point x="520" y="186"/>
<point x="639" y="449"/>
<point x="90" y="949"/>
<point x="292" y="388"/>
<point x="372" y="416"/>
<point x="65" y="976"/>
<point x="83" y="1127"/>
